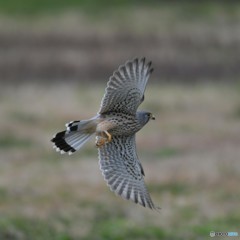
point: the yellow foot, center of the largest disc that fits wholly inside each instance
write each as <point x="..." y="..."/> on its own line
<point x="100" y="141"/>
<point x="109" y="136"/>
<point x="104" y="137"/>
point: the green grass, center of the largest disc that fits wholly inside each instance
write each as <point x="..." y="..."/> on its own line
<point x="112" y="228"/>
<point x="120" y="229"/>
<point x="32" y="7"/>
<point x="3" y="194"/>
<point x="225" y="224"/>
<point x="236" y="112"/>
<point x="188" y="213"/>
<point x="115" y="225"/>
<point x="10" y="141"/>
<point x="188" y="10"/>
<point x="167" y="152"/>
<point x="175" y="188"/>
<point x="18" y="228"/>
<point x="26" y="118"/>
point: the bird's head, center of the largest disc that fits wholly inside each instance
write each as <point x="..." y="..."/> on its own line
<point x="144" y="117"/>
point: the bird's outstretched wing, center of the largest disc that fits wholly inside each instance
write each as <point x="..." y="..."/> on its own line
<point x="125" y="89"/>
<point x="123" y="171"/>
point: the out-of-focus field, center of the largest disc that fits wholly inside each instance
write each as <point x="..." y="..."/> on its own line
<point x="54" y="60"/>
<point x="190" y="155"/>
<point x="187" y="42"/>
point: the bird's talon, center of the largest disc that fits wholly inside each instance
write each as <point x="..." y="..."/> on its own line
<point x="100" y="141"/>
<point x="109" y="136"/>
<point x="104" y="137"/>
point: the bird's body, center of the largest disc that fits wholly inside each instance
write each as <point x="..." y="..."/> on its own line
<point x="120" y="123"/>
<point x="115" y="126"/>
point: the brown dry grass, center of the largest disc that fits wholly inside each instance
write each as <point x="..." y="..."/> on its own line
<point x="190" y="155"/>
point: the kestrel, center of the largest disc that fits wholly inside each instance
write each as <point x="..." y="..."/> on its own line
<point x="115" y="127"/>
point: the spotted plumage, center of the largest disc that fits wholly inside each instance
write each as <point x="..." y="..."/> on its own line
<point x="115" y="126"/>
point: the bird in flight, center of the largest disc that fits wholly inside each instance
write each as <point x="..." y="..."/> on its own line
<point x="114" y="127"/>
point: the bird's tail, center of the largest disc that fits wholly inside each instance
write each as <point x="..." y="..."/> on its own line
<point x="75" y="136"/>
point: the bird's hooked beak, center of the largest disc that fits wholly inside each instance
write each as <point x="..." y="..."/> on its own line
<point x="152" y="117"/>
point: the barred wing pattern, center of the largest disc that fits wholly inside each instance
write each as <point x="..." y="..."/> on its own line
<point x="123" y="171"/>
<point x="125" y="89"/>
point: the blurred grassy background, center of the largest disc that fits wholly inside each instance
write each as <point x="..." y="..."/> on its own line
<point x="56" y="57"/>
